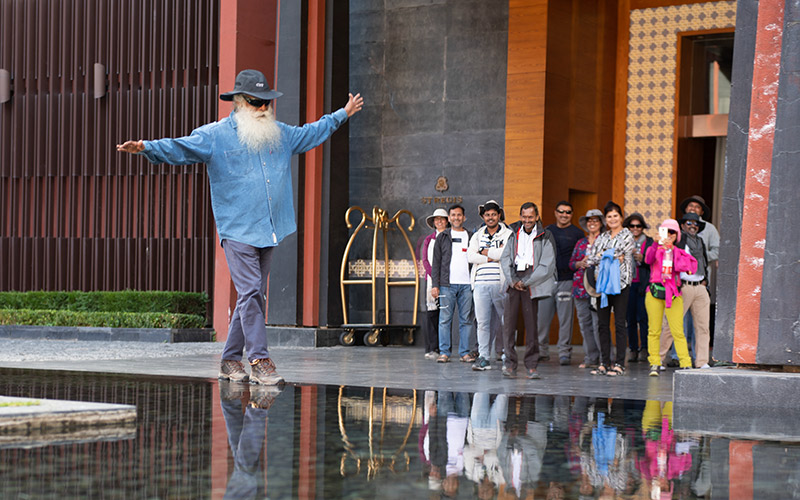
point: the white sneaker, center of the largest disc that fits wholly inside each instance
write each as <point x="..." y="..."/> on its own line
<point x="430" y="355"/>
<point x="705" y="366"/>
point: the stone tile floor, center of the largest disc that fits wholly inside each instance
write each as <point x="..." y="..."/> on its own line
<point x="396" y="367"/>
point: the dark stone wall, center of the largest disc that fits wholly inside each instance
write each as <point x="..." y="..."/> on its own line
<point x="283" y="290"/>
<point x="433" y="75"/>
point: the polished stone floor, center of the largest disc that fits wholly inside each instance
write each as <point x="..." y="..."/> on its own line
<point x="395" y="367"/>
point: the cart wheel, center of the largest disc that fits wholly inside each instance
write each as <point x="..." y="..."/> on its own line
<point x="408" y="337"/>
<point x="347" y="338"/>
<point x="371" y="337"/>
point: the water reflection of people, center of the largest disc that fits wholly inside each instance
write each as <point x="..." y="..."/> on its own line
<point x="484" y="433"/>
<point x="246" y="432"/>
<point x="447" y="430"/>
<point x="522" y="448"/>
<point x="663" y="461"/>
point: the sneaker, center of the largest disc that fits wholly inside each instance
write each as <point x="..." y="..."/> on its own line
<point x="430" y="355"/>
<point x="230" y="369"/>
<point x="443" y="358"/>
<point x="533" y="374"/>
<point x="563" y="361"/>
<point x="654" y="369"/>
<point x="481" y="364"/>
<point x="544" y="357"/>
<point x="705" y="366"/>
<point x="262" y="397"/>
<point x="262" y="371"/>
<point x="673" y="363"/>
<point x="508" y="372"/>
<point x="634" y="356"/>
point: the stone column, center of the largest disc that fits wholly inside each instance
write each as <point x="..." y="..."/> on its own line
<point x="758" y="304"/>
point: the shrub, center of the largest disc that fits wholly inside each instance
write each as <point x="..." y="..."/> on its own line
<point x="124" y="301"/>
<point x="117" y="319"/>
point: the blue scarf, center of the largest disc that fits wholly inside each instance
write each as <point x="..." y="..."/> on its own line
<point x="608" y="277"/>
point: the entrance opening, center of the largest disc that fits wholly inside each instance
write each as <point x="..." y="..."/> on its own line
<point x="703" y="94"/>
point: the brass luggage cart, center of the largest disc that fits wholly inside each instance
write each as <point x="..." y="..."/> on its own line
<point x="375" y="333"/>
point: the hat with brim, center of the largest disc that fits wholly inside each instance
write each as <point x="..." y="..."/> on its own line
<point x="697" y="199"/>
<point x="590" y="282"/>
<point x="589" y="214"/>
<point x="693" y="217"/>
<point x="637" y="216"/>
<point x="492" y="205"/>
<point x="251" y="82"/>
<point x="439" y="212"/>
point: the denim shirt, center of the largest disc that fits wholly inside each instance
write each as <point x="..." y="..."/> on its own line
<point x="251" y="192"/>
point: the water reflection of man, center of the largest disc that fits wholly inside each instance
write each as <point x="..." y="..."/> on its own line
<point x="246" y="433"/>
<point x="447" y="432"/>
<point x="481" y="462"/>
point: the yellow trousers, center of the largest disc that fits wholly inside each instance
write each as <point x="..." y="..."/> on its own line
<point x="656" y="309"/>
<point x="654" y="411"/>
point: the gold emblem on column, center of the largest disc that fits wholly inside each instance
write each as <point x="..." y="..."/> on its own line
<point x="441" y="184"/>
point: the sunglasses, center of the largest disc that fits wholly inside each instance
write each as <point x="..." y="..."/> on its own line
<point x="673" y="232"/>
<point x="691" y="223"/>
<point x="256" y="103"/>
<point x="564" y="211"/>
<point x="635" y="226"/>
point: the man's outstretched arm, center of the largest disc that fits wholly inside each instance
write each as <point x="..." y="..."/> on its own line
<point x="311" y="135"/>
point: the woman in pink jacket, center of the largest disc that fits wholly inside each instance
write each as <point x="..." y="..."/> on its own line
<point x="664" y="296"/>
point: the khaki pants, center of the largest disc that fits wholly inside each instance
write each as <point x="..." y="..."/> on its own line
<point x="696" y="300"/>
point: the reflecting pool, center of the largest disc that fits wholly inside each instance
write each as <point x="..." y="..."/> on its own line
<point x="210" y="439"/>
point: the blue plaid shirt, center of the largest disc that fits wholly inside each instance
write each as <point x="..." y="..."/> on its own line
<point x="251" y="192"/>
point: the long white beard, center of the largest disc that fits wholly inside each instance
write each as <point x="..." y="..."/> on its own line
<point x="257" y="129"/>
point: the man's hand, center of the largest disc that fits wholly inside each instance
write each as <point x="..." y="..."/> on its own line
<point x="354" y="104"/>
<point x="132" y="147"/>
<point x="519" y="286"/>
<point x="435" y="292"/>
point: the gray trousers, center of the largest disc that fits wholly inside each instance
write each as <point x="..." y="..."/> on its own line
<point x="561" y="302"/>
<point x="587" y="320"/>
<point x="249" y="267"/>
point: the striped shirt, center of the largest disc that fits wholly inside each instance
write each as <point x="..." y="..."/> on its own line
<point x="490" y="271"/>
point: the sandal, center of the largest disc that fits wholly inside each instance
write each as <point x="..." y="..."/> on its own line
<point x="600" y="370"/>
<point x="617" y="371"/>
<point x="468" y="358"/>
<point x="443" y="358"/>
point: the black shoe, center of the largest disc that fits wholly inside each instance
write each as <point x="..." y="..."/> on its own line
<point x="673" y="363"/>
<point x="545" y="357"/>
<point x="634" y="356"/>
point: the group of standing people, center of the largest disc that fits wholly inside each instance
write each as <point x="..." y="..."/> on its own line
<point x="607" y="265"/>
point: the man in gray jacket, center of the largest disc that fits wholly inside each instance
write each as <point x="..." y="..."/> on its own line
<point x="528" y="264"/>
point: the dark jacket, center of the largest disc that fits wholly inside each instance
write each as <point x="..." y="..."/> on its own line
<point x="642" y="268"/>
<point x="541" y="278"/>
<point x="442" y="253"/>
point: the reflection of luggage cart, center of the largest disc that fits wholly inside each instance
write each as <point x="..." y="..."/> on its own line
<point x="378" y="333"/>
<point x="392" y="410"/>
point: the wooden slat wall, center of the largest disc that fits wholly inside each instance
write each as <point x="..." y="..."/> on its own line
<point x="527" y="51"/>
<point x="579" y="110"/>
<point x="74" y="213"/>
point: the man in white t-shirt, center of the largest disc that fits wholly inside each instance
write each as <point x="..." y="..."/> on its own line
<point x="451" y="284"/>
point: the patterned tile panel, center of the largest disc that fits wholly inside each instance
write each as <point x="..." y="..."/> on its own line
<point x="652" y="52"/>
<point x="400" y="268"/>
